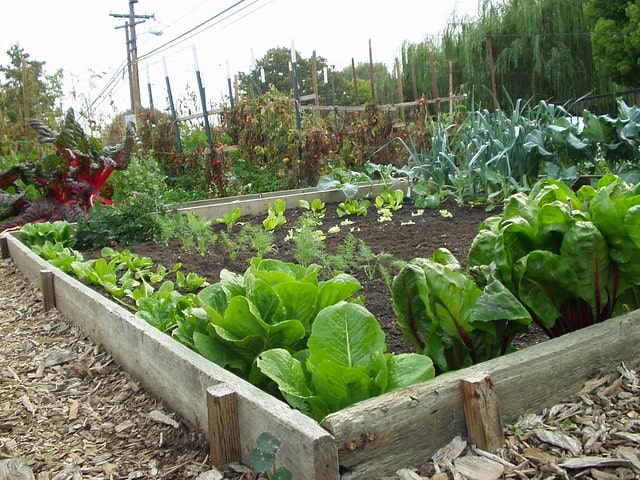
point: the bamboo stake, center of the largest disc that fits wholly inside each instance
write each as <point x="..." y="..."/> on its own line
<point x="400" y="89"/>
<point x="434" y="80"/>
<point x="314" y="77"/>
<point x="492" y="69"/>
<point x="371" y="75"/>
<point x="355" y="80"/>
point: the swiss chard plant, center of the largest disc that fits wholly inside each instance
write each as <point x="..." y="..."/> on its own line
<point x="447" y="316"/>
<point x="345" y="362"/>
<point x="572" y="259"/>
<point x="68" y="181"/>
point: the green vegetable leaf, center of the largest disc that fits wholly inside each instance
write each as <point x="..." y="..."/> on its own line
<point x="408" y="369"/>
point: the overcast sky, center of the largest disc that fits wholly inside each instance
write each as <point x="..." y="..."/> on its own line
<point x="80" y="37"/>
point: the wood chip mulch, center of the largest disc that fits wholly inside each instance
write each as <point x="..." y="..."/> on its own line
<point x="594" y="436"/>
<point x="69" y="411"/>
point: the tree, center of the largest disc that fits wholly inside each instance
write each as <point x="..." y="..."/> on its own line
<point x="277" y="71"/>
<point x="541" y="49"/>
<point x="26" y="91"/>
<point x="345" y="89"/>
<point x="615" y="35"/>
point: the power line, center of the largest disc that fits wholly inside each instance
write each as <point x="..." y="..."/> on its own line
<point x="183" y="35"/>
<point x="208" y="27"/>
<point x="119" y="72"/>
<point x="112" y="83"/>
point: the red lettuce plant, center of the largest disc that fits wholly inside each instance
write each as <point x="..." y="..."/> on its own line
<point x="67" y="182"/>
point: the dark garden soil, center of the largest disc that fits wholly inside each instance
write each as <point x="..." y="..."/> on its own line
<point x="410" y="234"/>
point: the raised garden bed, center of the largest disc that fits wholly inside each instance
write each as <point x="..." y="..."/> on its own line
<point x="369" y="439"/>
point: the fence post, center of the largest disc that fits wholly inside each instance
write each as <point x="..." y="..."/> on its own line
<point x="203" y="101"/>
<point x="174" y="117"/>
<point x="231" y="102"/>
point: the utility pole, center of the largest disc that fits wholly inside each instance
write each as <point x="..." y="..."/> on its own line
<point x="132" y="52"/>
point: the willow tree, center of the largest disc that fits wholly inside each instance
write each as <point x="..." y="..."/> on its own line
<point x="540" y="49"/>
<point x="543" y="50"/>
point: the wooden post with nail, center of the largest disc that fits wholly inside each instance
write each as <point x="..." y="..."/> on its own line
<point x="4" y="248"/>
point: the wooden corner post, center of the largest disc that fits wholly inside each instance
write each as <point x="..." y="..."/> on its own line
<point x="482" y="412"/>
<point x="4" y="248"/>
<point x="224" y="426"/>
<point x="48" y="291"/>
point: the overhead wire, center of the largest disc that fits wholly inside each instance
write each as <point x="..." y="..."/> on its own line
<point x="183" y="36"/>
<point x="110" y="86"/>
<point x="113" y="83"/>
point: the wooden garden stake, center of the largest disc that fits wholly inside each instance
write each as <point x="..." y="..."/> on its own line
<point x="48" y="292"/>
<point x="482" y="412"/>
<point x="4" y="248"/>
<point x="224" y="427"/>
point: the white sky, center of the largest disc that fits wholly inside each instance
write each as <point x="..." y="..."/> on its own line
<point x="79" y="36"/>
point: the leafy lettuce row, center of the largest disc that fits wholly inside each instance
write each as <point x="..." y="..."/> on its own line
<point x="277" y="325"/>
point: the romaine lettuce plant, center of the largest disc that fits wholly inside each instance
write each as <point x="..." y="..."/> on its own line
<point x="231" y="218"/>
<point x="275" y="215"/>
<point x="353" y="207"/>
<point x="35" y="234"/>
<point x="346" y="362"/>
<point x="273" y="305"/>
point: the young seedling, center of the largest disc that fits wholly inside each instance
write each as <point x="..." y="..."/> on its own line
<point x="316" y="207"/>
<point x="391" y="200"/>
<point x="231" y="218"/>
<point x="354" y="207"/>
<point x="275" y="215"/>
<point x="263" y="457"/>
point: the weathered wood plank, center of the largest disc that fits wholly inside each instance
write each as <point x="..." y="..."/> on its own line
<point x="4" y="247"/>
<point x="482" y="412"/>
<point x="46" y="286"/>
<point x="224" y="427"/>
<point x="427" y="416"/>
<point x="259" y="205"/>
